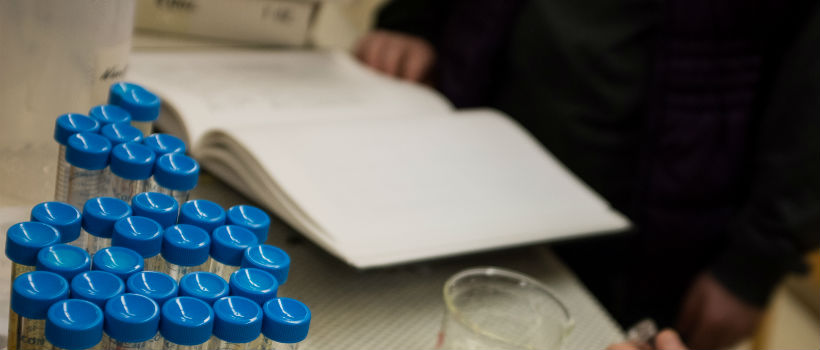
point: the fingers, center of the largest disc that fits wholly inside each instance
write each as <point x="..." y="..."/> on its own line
<point x="623" y="346"/>
<point x="370" y="48"/>
<point x="691" y="310"/>
<point x="417" y="64"/>
<point x="391" y="56"/>
<point x="397" y="55"/>
<point x="668" y="340"/>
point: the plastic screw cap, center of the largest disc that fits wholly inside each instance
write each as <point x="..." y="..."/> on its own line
<point x="96" y="287"/>
<point x="163" y="144"/>
<point x="62" y="216"/>
<point x="63" y="259"/>
<point x="132" y="161"/>
<point x="202" y="213"/>
<point x="33" y="292"/>
<point x="155" y="285"/>
<point x="161" y="207"/>
<point x="101" y="213"/>
<point x="72" y="123"/>
<point x="251" y="218"/>
<point x="228" y="244"/>
<point x="187" y="321"/>
<point x="177" y="172"/>
<point x="74" y="324"/>
<point x="186" y="245"/>
<point x="237" y="319"/>
<point x="142" y="104"/>
<point x="269" y="258"/>
<point x="24" y="240"/>
<point x="131" y="318"/>
<point x="286" y="320"/>
<point x="120" y="261"/>
<point x="88" y="151"/>
<point x="139" y="234"/>
<point x="205" y="286"/>
<point x="121" y="133"/>
<point x="109" y="114"/>
<point x="254" y="284"/>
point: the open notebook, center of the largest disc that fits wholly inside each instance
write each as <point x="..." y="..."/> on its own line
<point x="375" y="170"/>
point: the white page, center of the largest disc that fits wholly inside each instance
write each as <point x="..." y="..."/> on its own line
<point x="213" y="89"/>
<point x="394" y="190"/>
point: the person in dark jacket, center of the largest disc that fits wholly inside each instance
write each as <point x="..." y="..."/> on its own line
<point x="698" y="119"/>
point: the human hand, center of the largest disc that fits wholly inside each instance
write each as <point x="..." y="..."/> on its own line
<point x="400" y="55"/>
<point x="665" y="340"/>
<point x="712" y="317"/>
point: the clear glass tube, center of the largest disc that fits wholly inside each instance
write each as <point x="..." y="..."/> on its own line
<point x="270" y="344"/>
<point x="61" y="187"/>
<point x="95" y="243"/>
<point x="154" y="263"/>
<point x="168" y="345"/>
<point x="14" y="321"/>
<point x="219" y="344"/>
<point x="84" y="184"/>
<point x="145" y="127"/>
<point x="125" y="189"/>
<point x="155" y="343"/>
<point x="222" y="270"/>
<point x="29" y="334"/>
<point x="177" y="271"/>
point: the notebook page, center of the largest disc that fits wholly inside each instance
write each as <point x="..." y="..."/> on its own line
<point x="396" y="190"/>
<point x="215" y="88"/>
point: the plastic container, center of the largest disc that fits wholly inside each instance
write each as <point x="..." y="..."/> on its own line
<point x="228" y="244"/>
<point x="237" y="323"/>
<point x="62" y="216"/>
<point x="202" y="213"/>
<point x="132" y="323"/>
<point x="74" y="324"/>
<point x="24" y="240"/>
<point x="205" y="286"/>
<point x="285" y="325"/>
<point x="254" y="284"/>
<point x="96" y="287"/>
<point x="63" y="259"/>
<point x="99" y="216"/>
<point x="185" y="249"/>
<point x="119" y="133"/>
<point x="32" y="293"/>
<point x="131" y="167"/>
<point x="163" y="144"/>
<point x="142" y="104"/>
<point x="109" y="114"/>
<point x="155" y="285"/>
<point x="187" y="323"/>
<point x="120" y="261"/>
<point x="269" y="258"/>
<point x="88" y="155"/>
<point x="143" y="236"/>
<point x="65" y="126"/>
<point x="175" y="174"/>
<point x="251" y="218"/>
<point x="161" y="207"/>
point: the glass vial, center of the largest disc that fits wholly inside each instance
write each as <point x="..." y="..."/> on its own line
<point x="131" y="164"/>
<point x="63" y="259"/>
<point x="65" y="126"/>
<point x="185" y="249"/>
<point x="143" y="236"/>
<point x="204" y="286"/>
<point x="285" y="325"/>
<point x="88" y="155"/>
<point x="228" y="244"/>
<point x="272" y="259"/>
<point x="251" y="218"/>
<point x="237" y="323"/>
<point x="187" y="323"/>
<point x="132" y="322"/>
<point x="62" y="216"/>
<point x="254" y="284"/>
<point x="99" y="216"/>
<point x="155" y="285"/>
<point x="175" y="174"/>
<point x="74" y="324"/>
<point x="202" y="213"/>
<point x="161" y="207"/>
<point x="138" y="101"/>
<point x="96" y="287"/>
<point x="31" y="295"/>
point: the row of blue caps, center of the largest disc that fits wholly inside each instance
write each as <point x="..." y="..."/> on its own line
<point x="152" y="304"/>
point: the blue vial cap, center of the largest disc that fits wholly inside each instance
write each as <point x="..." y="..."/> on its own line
<point x="142" y="104"/>
<point x="96" y="287"/>
<point x="269" y="258"/>
<point x="132" y="161"/>
<point x="251" y="218"/>
<point x="63" y="259"/>
<point x="202" y="285"/>
<point x="163" y="144"/>
<point x="120" y="261"/>
<point x="74" y="324"/>
<point x="121" y="133"/>
<point x="254" y="284"/>
<point x="72" y="123"/>
<point x="101" y="213"/>
<point x="176" y="171"/>
<point x="186" y="245"/>
<point x="202" y="213"/>
<point x="139" y="234"/>
<point x="88" y="151"/>
<point x="187" y="321"/>
<point x="286" y="320"/>
<point x="131" y="318"/>
<point x="62" y="216"/>
<point x="109" y="114"/>
<point x="24" y="240"/>
<point x="33" y="292"/>
<point x="155" y="285"/>
<point x="228" y="244"/>
<point x="161" y="207"/>
<point x="237" y="319"/>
